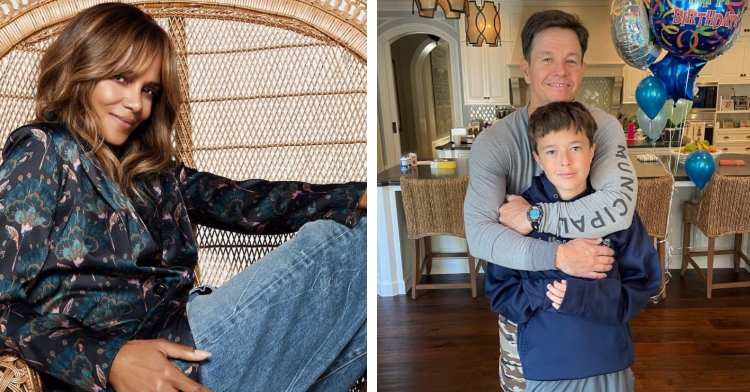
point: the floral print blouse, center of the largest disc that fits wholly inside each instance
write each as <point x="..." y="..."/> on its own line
<point x="83" y="271"/>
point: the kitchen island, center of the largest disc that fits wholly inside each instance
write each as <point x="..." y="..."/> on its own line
<point x="395" y="250"/>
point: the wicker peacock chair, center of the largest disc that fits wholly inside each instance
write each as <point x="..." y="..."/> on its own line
<point x="274" y="90"/>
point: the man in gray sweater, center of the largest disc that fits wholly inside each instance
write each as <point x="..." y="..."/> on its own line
<point x="502" y="166"/>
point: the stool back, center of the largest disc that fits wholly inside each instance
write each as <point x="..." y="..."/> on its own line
<point x="653" y="203"/>
<point x="434" y="206"/>
<point x="724" y="208"/>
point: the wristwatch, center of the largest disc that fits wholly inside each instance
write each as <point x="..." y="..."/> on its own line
<point x="534" y="214"/>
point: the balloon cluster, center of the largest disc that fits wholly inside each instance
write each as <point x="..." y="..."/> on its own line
<point x="691" y="32"/>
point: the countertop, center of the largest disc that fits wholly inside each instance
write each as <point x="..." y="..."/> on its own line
<point x="392" y="176"/>
<point x="631" y="144"/>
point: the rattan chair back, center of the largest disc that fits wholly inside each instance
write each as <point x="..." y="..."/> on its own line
<point x="653" y="204"/>
<point x="724" y="208"/>
<point x="273" y="90"/>
<point x="434" y="206"/>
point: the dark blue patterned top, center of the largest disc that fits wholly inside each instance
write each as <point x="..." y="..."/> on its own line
<point x="82" y="270"/>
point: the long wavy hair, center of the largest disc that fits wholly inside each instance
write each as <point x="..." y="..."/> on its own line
<point x="100" y="42"/>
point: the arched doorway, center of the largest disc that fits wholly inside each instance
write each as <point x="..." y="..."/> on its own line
<point x="399" y="109"/>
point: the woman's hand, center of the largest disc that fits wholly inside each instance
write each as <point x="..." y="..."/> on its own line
<point x="143" y="365"/>
<point x="362" y="205"/>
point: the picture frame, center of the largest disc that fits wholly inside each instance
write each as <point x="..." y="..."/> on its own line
<point x="726" y="104"/>
<point x="745" y="124"/>
<point x="727" y="124"/>
<point x="740" y="102"/>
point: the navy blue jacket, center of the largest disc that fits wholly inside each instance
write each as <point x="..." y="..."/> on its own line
<point x="589" y="335"/>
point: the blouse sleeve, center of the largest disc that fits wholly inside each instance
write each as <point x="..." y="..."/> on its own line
<point x="265" y="207"/>
<point x="52" y="343"/>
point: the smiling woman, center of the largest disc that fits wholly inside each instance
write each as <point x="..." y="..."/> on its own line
<point x="123" y="103"/>
<point x="100" y="264"/>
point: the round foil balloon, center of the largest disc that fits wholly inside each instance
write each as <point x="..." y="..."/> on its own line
<point x="631" y="33"/>
<point x="693" y="28"/>
<point x="722" y="50"/>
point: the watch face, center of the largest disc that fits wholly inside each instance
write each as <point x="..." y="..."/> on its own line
<point x="535" y="213"/>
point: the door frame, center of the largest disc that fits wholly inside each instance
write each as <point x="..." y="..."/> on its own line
<point x="389" y="141"/>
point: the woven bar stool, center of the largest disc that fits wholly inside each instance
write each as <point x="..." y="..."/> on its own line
<point x="723" y="210"/>
<point x="654" y="196"/>
<point x="435" y="207"/>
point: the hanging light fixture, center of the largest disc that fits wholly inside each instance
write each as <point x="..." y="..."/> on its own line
<point x="482" y="24"/>
<point x="452" y="8"/>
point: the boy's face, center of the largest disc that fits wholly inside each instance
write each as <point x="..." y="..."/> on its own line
<point x="565" y="156"/>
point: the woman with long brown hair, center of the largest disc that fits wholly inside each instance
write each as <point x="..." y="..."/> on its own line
<point x="96" y="268"/>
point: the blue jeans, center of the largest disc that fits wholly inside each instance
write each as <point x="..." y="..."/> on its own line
<point x="295" y="320"/>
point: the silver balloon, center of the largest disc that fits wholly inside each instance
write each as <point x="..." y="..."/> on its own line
<point x="631" y="33"/>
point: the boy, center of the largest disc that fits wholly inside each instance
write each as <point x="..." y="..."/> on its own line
<point x="557" y="314"/>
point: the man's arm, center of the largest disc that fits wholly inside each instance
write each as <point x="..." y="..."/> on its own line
<point x="610" y="208"/>
<point x="490" y="166"/>
<point x="489" y="169"/>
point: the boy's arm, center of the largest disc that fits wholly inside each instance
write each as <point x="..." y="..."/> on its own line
<point x="608" y="210"/>
<point x="616" y="301"/>
<point x="513" y="296"/>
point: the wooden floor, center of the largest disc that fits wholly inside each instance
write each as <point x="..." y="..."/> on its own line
<point x="447" y="341"/>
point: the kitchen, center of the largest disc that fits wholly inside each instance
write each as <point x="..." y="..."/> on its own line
<point x="608" y="84"/>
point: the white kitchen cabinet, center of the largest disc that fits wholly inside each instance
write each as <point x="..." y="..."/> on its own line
<point x="736" y="140"/>
<point x="745" y="28"/>
<point x="734" y="65"/>
<point x="485" y="69"/>
<point x="633" y="76"/>
<point x="732" y="137"/>
<point x="485" y="74"/>
<point x="709" y="72"/>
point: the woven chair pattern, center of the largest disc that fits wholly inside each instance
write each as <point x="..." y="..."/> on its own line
<point x="273" y="90"/>
<point x="724" y="208"/>
<point x="653" y="203"/>
<point x="16" y="376"/>
<point x="434" y="206"/>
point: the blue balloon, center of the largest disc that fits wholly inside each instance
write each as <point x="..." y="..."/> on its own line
<point x="699" y="166"/>
<point x="678" y="75"/>
<point x="650" y="95"/>
<point x="690" y="28"/>
<point x="652" y="127"/>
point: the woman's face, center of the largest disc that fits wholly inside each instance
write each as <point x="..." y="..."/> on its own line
<point x="122" y="103"/>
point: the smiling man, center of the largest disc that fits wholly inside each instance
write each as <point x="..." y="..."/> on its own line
<point x="502" y="167"/>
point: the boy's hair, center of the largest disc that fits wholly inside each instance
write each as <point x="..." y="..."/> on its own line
<point x="552" y="19"/>
<point x="558" y="116"/>
<point x="100" y="42"/>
